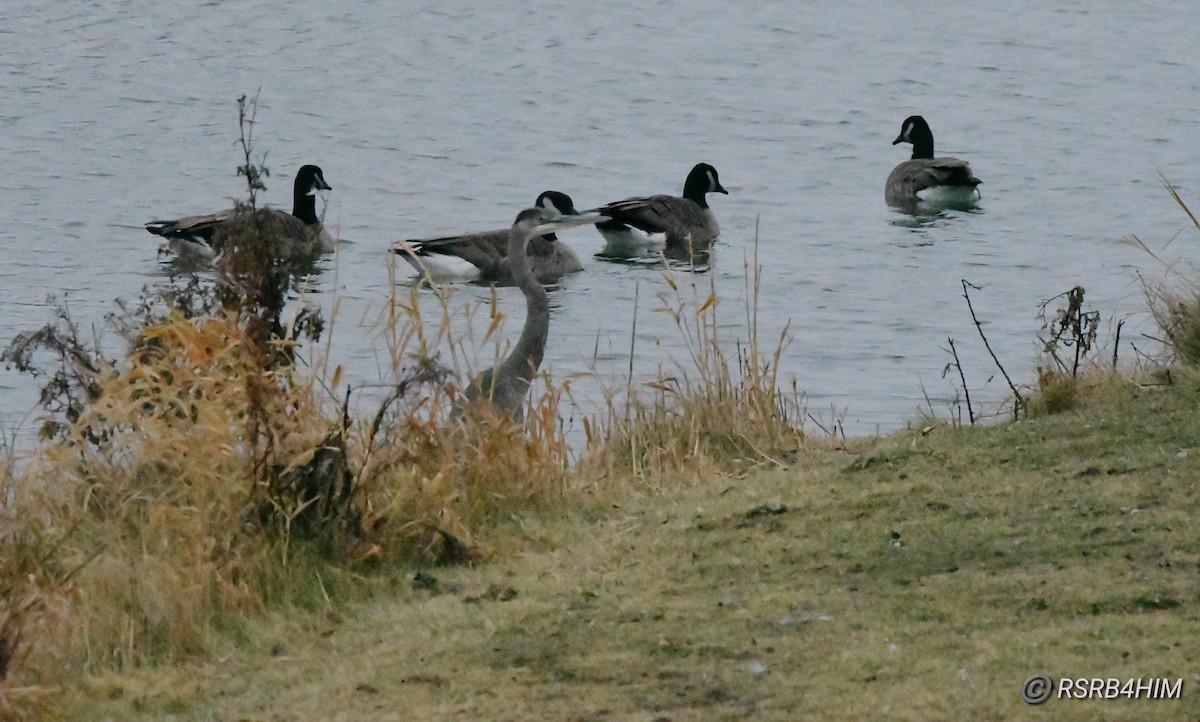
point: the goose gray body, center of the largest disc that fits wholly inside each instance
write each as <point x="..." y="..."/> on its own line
<point x="202" y="235"/>
<point x="506" y="385"/>
<point x="925" y="178"/>
<point x="685" y="223"/>
<point x="488" y="252"/>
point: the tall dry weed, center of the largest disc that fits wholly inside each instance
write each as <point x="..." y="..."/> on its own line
<point x="722" y="405"/>
<point x="1174" y="300"/>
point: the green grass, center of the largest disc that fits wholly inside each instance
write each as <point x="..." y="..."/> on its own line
<point x="919" y="576"/>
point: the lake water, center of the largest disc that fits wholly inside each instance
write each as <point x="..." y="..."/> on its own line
<point x="450" y="116"/>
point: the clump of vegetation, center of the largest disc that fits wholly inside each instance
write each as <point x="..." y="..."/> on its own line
<point x="1176" y="310"/>
<point x="1056" y="392"/>
<point x="434" y="479"/>
<point x="1073" y="330"/>
<point x="710" y="413"/>
<point x="1175" y="305"/>
<point x="1071" y="338"/>
<point x="162" y="504"/>
<point x="73" y="381"/>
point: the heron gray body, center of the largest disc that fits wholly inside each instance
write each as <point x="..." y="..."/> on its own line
<point x="507" y="384"/>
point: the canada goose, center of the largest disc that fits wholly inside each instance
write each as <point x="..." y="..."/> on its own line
<point x="686" y="224"/>
<point x="487" y="252"/>
<point x="507" y="383"/>
<point x="202" y="235"/>
<point x="939" y="181"/>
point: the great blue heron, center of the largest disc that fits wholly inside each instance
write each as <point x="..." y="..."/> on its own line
<point x="506" y="384"/>
<point x="685" y="224"/>
<point x="487" y="252"/>
<point x="925" y="179"/>
<point x="203" y="235"/>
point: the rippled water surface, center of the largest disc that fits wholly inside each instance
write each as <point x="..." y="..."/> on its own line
<point x="450" y="116"/>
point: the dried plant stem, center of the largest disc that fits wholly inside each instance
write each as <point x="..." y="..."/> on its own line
<point x="1019" y="404"/>
<point x="1175" y="195"/>
<point x="963" y="379"/>
<point x="633" y="438"/>
<point x="1117" y="343"/>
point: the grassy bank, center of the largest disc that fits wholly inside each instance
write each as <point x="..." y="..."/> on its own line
<point x="920" y="576"/>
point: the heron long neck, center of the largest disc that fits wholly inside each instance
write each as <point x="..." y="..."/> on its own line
<point x="526" y="356"/>
<point x="304" y="205"/>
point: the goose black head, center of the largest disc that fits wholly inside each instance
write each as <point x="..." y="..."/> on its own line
<point x="701" y="180"/>
<point x="310" y="179"/>
<point x="915" y="130"/>
<point x="560" y="203"/>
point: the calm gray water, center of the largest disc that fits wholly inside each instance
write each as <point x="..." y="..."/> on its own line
<point x="449" y="116"/>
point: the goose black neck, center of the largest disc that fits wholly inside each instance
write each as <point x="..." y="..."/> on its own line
<point x="922" y="143"/>
<point x="695" y="189"/>
<point x="304" y="204"/>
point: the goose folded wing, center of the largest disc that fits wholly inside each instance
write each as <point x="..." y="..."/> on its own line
<point x="201" y="227"/>
<point x="950" y="172"/>
<point x="653" y="214"/>
<point x="482" y="250"/>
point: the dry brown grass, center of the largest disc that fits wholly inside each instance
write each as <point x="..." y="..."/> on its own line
<point x="204" y="478"/>
<point x="1174" y="300"/>
<point x="1176" y="310"/>
<point x="711" y="412"/>
<point x="920" y="576"/>
<point x="176" y="499"/>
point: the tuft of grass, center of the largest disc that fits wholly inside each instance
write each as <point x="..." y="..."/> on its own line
<point x="716" y="411"/>
<point x="1175" y="304"/>
<point x="1056" y="392"/>
<point x="1176" y="311"/>
<point x="434" y="475"/>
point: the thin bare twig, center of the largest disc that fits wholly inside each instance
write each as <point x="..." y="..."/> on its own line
<point x="966" y="391"/>
<point x="1020" y="400"/>
<point x="1117" y="343"/>
<point x="821" y="426"/>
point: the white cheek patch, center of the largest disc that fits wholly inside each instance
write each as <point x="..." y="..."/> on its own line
<point x="549" y="205"/>
<point x="712" y="181"/>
